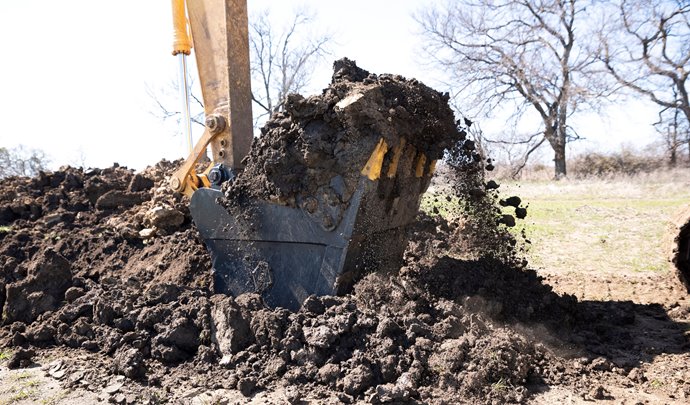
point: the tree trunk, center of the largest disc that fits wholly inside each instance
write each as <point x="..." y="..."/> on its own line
<point x="555" y="134"/>
<point x="559" y="160"/>
<point x="557" y="142"/>
<point x="673" y="159"/>
<point x="672" y="140"/>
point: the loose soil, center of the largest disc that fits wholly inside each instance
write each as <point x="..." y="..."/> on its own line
<point x="679" y="245"/>
<point x="105" y="288"/>
<point x="326" y="139"/>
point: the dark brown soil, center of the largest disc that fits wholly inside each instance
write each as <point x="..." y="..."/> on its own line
<point x="103" y="270"/>
<point x="330" y="136"/>
<point x="679" y="245"/>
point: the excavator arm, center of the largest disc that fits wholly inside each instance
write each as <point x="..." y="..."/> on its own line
<point x="219" y="35"/>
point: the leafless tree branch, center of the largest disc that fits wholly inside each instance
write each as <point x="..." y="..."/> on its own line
<point x="21" y="161"/>
<point x="648" y="52"/>
<point x="535" y="53"/>
<point x="283" y="61"/>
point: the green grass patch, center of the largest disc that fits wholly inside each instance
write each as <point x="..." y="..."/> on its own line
<point x="5" y="355"/>
<point x="55" y="398"/>
<point x="499" y="386"/>
<point x="22" y="394"/>
<point x="31" y="384"/>
<point x="599" y="225"/>
<point x="656" y="384"/>
<point x="22" y="376"/>
<point x="439" y="204"/>
<point x="53" y="236"/>
<point x="592" y="225"/>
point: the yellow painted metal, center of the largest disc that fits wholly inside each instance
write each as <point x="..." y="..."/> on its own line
<point x="203" y="177"/>
<point x="184" y="180"/>
<point x="221" y="45"/>
<point x="397" y="153"/>
<point x="181" y="41"/>
<point x="432" y="167"/>
<point x="220" y="33"/>
<point x="419" y="169"/>
<point x="372" y="169"/>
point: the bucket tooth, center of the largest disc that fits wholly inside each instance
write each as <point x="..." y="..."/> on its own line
<point x="432" y="168"/>
<point x="419" y="167"/>
<point x="372" y="169"/>
<point x="395" y="160"/>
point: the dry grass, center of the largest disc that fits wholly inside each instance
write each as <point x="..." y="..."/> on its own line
<point x="611" y="226"/>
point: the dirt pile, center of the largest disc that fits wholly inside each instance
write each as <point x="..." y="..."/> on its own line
<point x="344" y="171"/>
<point x="323" y="142"/>
<point x="104" y="270"/>
<point x="678" y="242"/>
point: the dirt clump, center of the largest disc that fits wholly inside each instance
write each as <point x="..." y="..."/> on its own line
<point x="322" y="142"/>
<point x="43" y="289"/>
<point x="678" y="242"/>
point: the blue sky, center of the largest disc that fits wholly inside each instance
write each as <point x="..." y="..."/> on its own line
<point x="75" y="74"/>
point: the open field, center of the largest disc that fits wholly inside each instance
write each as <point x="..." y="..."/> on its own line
<point x="601" y="228"/>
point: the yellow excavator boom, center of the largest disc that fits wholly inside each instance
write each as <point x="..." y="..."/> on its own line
<point x="219" y="32"/>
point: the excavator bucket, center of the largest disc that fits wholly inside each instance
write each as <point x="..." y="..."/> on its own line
<point x="325" y="194"/>
<point x="289" y="253"/>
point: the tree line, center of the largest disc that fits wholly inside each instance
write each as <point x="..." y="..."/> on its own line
<point x="553" y="59"/>
<point x="536" y="61"/>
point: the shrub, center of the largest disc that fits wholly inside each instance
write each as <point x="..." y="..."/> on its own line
<point x="625" y="162"/>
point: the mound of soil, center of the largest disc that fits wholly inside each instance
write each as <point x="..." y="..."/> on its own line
<point x="331" y="136"/>
<point x="679" y="245"/>
<point x="104" y="270"/>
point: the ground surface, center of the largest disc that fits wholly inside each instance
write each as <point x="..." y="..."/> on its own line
<point x="107" y="295"/>
<point x="621" y="338"/>
<point x="605" y="240"/>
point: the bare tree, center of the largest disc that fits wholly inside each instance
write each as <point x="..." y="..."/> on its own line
<point x="648" y="52"/>
<point x="516" y="148"/>
<point x="523" y="53"/>
<point x="21" y="161"/>
<point x="282" y="62"/>
<point x="159" y="104"/>
<point x="675" y="133"/>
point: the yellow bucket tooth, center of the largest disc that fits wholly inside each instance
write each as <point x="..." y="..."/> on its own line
<point x="397" y="152"/>
<point x="432" y="167"/>
<point x="373" y="167"/>
<point x="419" y="170"/>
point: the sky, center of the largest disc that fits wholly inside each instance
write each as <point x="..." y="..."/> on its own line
<point x="76" y="75"/>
